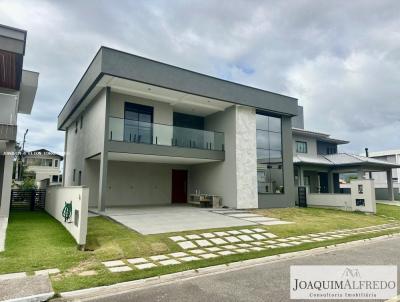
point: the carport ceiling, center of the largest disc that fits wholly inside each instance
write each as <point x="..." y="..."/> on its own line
<point x="148" y="158"/>
<point x="180" y="101"/>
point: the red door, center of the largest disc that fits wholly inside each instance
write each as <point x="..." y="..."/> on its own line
<point x="179" y="186"/>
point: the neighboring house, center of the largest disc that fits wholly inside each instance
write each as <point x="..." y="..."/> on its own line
<point x="381" y="178"/>
<point x="45" y="165"/>
<point x="17" y="93"/>
<point x="141" y="132"/>
<point x="318" y="164"/>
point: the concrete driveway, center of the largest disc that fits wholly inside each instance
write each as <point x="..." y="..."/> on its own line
<point x="171" y="218"/>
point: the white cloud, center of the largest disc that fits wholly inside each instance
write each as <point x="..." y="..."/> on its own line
<point x="341" y="59"/>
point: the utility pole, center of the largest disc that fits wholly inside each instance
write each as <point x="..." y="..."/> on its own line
<point x="20" y="157"/>
<point x="367" y="155"/>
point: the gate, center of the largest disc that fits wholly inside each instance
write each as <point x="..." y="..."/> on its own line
<point x="302" y="197"/>
<point x="28" y="199"/>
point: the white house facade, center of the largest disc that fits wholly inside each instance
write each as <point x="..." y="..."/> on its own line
<point x="141" y="132"/>
<point x="17" y="93"/>
<point x="44" y="165"/>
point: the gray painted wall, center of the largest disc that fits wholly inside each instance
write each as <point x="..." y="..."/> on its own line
<point x="131" y="183"/>
<point x="87" y="142"/>
<point x="298" y="120"/>
<point x="219" y="178"/>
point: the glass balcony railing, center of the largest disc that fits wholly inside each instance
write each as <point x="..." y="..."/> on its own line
<point x="133" y="131"/>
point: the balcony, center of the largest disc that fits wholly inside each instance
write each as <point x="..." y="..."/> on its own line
<point x="8" y="116"/>
<point x="131" y="131"/>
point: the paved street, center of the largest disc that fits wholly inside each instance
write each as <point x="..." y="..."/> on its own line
<point x="266" y="282"/>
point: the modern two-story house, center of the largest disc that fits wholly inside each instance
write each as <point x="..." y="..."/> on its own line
<point x="141" y="132"/>
<point x="318" y="164"/>
<point x="17" y="93"/>
<point x="45" y="165"/>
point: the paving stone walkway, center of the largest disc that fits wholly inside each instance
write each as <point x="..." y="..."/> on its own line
<point x="218" y="244"/>
<point x="251" y="217"/>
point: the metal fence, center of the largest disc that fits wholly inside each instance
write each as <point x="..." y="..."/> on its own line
<point x="28" y="199"/>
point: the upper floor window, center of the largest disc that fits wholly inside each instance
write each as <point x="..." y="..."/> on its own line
<point x="138" y="123"/>
<point x="44" y="162"/>
<point x="56" y="163"/>
<point x="269" y="154"/>
<point x="301" y="147"/>
<point x="331" y="150"/>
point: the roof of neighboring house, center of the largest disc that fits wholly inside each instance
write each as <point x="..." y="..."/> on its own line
<point x="384" y="153"/>
<point x="40" y="152"/>
<point x="343" y="160"/>
<point x="118" y="64"/>
<point x="318" y="135"/>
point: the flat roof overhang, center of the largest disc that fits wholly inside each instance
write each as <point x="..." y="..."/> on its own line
<point x="370" y="167"/>
<point x="118" y="64"/>
<point x="318" y="135"/>
<point x="12" y="39"/>
<point x="28" y="88"/>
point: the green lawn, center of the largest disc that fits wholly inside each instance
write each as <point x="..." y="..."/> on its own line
<point x="36" y="241"/>
<point x="388" y="211"/>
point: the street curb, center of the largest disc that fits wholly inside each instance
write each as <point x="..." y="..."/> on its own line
<point x="127" y="286"/>
<point x="34" y="298"/>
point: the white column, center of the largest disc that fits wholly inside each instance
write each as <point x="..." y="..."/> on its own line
<point x="103" y="181"/>
<point x="390" y="184"/>
<point x="301" y="176"/>
<point x="104" y="157"/>
<point x="7" y="181"/>
<point x="246" y="158"/>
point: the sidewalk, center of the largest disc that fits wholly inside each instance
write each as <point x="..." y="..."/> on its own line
<point x="32" y="288"/>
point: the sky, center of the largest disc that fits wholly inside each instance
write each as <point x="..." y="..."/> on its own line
<point x="340" y="59"/>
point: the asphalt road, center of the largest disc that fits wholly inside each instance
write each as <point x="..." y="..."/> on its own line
<point x="266" y="282"/>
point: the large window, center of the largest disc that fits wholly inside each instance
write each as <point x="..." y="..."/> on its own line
<point x="45" y="162"/>
<point x="301" y="147"/>
<point x="269" y="154"/>
<point x="138" y="123"/>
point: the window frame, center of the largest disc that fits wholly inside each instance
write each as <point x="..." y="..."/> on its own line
<point x="297" y="147"/>
<point x="267" y="131"/>
<point x="79" y="178"/>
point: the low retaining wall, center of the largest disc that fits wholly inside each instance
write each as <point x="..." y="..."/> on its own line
<point x="361" y="198"/>
<point x="337" y="201"/>
<point x="56" y="198"/>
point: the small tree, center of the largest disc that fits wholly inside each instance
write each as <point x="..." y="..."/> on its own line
<point x="28" y="184"/>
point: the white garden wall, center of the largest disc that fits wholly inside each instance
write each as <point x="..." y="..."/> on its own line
<point x="57" y="196"/>
<point x="338" y="201"/>
<point x="362" y="198"/>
